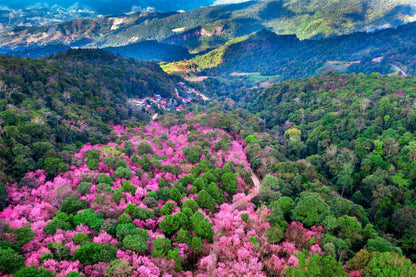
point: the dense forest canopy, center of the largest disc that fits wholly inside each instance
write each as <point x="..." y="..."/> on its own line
<point x="263" y="161"/>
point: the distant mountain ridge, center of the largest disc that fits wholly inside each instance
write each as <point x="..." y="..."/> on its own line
<point x="386" y="51"/>
<point x="212" y="26"/>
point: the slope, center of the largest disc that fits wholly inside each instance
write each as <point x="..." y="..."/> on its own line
<point x="47" y="105"/>
<point x="386" y="51"/>
<point x="212" y="26"/>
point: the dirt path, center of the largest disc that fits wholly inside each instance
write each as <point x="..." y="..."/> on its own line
<point x="399" y="69"/>
<point x="203" y="96"/>
<point x="256" y="181"/>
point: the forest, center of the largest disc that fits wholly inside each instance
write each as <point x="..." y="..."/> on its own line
<point x="304" y="177"/>
<point x="51" y="106"/>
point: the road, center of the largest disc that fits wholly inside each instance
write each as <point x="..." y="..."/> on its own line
<point x="399" y="69"/>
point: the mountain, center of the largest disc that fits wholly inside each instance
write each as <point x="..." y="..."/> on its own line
<point x="149" y="50"/>
<point x="387" y="51"/>
<point x="213" y="26"/>
<point x="56" y="101"/>
<point x="46" y="12"/>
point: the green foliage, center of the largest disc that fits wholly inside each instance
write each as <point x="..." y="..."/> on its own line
<point x="316" y="265"/>
<point x="10" y="262"/>
<point x="128" y="187"/>
<point x="229" y="182"/>
<point x="205" y="200"/>
<point x="55" y="165"/>
<point x="105" y="179"/>
<point x="192" y="154"/>
<point x="118" y="195"/>
<point x="183" y="236"/>
<point x="167" y="208"/>
<point x="204" y="229"/>
<point x="124" y="219"/>
<point x="72" y="204"/>
<point x="270" y="188"/>
<point x="93" y="157"/>
<point x="123" y="172"/>
<point x="56" y="224"/>
<point x="44" y="257"/>
<point x="161" y="247"/>
<point x="90" y="218"/>
<point x="250" y="138"/>
<point x="33" y="272"/>
<point x="92" y="253"/>
<point x="134" y="242"/>
<point x="114" y="163"/>
<point x="59" y="251"/>
<point x="169" y="225"/>
<point x="84" y="188"/>
<point x="80" y="238"/>
<point x="175" y="195"/>
<point x="145" y="148"/>
<point x="174" y="254"/>
<point x="311" y="209"/>
<point x="382" y="245"/>
<point x="389" y="264"/>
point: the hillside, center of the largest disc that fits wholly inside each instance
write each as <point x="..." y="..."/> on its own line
<point x="49" y="106"/>
<point x="176" y="198"/>
<point x="34" y="13"/>
<point x="387" y="51"/>
<point x="152" y="51"/>
<point x="212" y="26"/>
<point x="356" y="131"/>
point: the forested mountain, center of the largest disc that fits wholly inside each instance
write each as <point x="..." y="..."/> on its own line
<point x="48" y="105"/>
<point x="354" y="133"/>
<point x="386" y="51"/>
<point x="152" y="50"/>
<point x="46" y="12"/>
<point x="261" y="161"/>
<point x="212" y="26"/>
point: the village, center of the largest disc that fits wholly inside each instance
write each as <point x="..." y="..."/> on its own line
<point x="168" y="104"/>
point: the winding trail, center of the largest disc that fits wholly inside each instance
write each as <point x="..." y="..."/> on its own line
<point x="215" y="250"/>
<point x="399" y="69"/>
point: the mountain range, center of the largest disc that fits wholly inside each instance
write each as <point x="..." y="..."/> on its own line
<point x="212" y="26"/>
<point x="386" y="51"/>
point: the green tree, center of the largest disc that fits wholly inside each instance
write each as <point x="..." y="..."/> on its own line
<point x="54" y="165"/>
<point x="93" y="253"/>
<point x="134" y="242"/>
<point x="229" y="182"/>
<point x="311" y="209"/>
<point x="90" y="218"/>
<point x="270" y="188"/>
<point x="33" y="272"/>
<point x="72" y="204"/>
<point x="205" y="200"/>
<point x="169" y="225"/>
<point x="161" y="247"/>
<point x="316" y="265"/>
<point x="388" y="264"/>
<point x="10" y="262"/>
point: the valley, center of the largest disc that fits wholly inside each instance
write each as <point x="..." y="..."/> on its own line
<point x="230" y="138"/>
